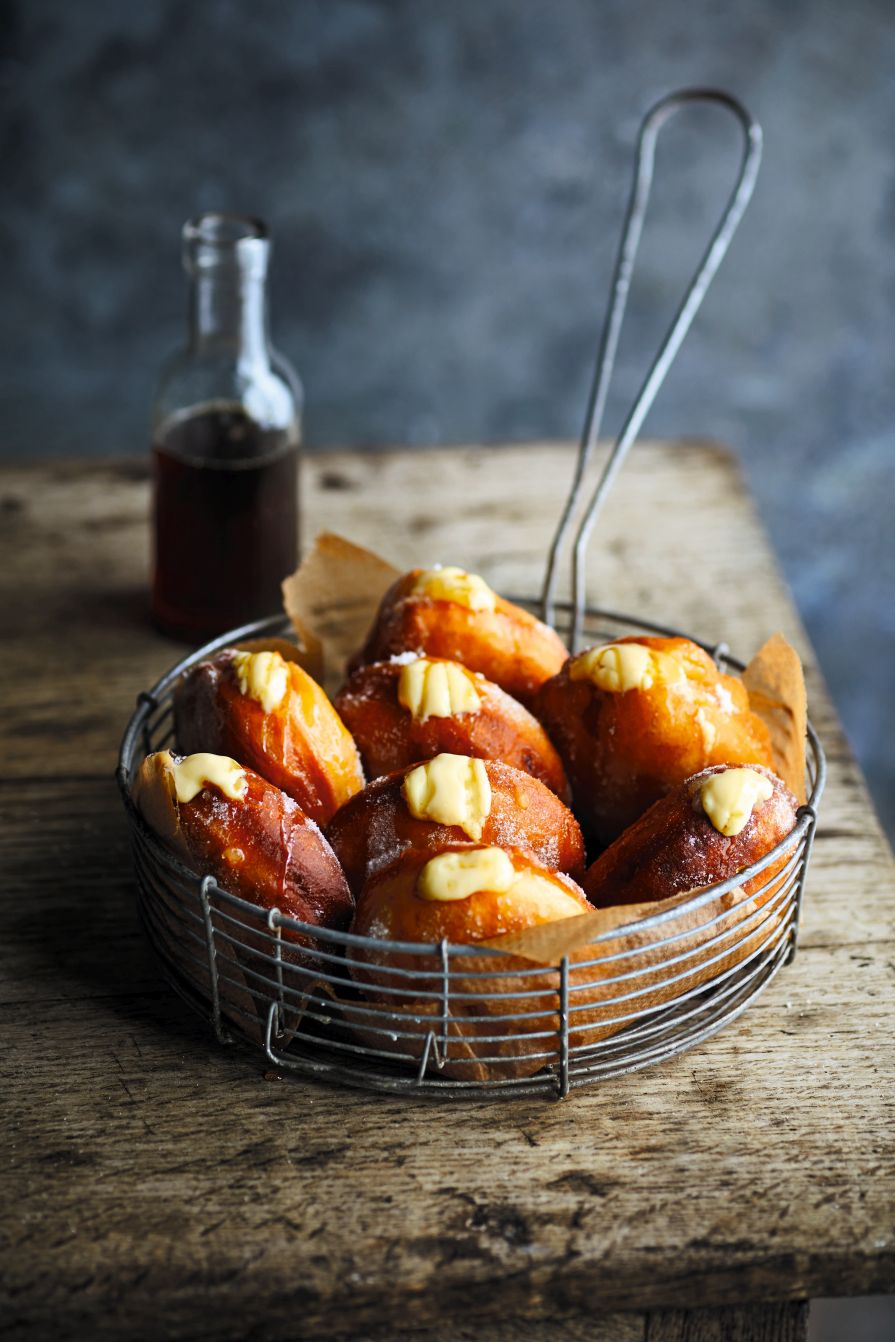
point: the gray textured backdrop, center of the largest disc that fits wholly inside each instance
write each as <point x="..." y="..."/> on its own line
<point x="445" y="184"/>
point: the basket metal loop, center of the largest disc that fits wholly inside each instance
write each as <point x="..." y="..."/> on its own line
<point x="275" y="925"/>
<point x="207" y="884"/>
<point x="431" y="1049"/>
<point x="444" y="948"/>
<point x="689" y="305"/>
<point x="563" y="1076"/>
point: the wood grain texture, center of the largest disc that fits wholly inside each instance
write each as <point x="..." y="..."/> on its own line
<point x="759" y="1323"/>
<point x="609" y="1328"/>
<point x="159" y="1185"/>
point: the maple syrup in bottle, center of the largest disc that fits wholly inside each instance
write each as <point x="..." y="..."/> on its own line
<point x="226" y="442"/>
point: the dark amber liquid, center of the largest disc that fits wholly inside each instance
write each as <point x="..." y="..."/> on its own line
<point x="226" y="521"/>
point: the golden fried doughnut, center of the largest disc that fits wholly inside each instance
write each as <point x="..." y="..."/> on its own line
<point x="225" y="821"/>
<point x="634" y="718"/>
<point x="706" y="830"/>
<point x="463" y="893"/>
<point x="412" y="708"/>
<point x="452" y="614"/>
<point x="453" y="799"/>
<point x="269" y="714"/>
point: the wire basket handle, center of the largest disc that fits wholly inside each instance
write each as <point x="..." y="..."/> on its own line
<point x="689" y="305"/>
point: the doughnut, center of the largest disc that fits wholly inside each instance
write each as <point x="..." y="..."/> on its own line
<point x="269" y="714"/>
<point x="465" y="894"/>
<point x="226" y="821"/>
<point x="453" y="799"/>
<point x="448" y="613"/>
<point x="706" y="830"/>
<point x="634" y="718"/>
<point x="411" y="708"/>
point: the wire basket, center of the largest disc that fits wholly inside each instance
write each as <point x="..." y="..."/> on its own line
<point x="448" y="1019"/>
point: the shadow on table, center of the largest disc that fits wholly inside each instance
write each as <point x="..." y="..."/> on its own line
<point x="71" y="922"/>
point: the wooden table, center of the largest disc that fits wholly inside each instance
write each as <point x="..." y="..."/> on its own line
<point x="162" y="1186"/>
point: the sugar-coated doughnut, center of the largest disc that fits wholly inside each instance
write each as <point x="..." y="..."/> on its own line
<point x="463" y="893"/>
<point x="448" y="613"/>
<point x="706" y="830"/>
<point x="634" y="718"/>
<point x="273" y="717"/>
<point x="453" y="799"/>
<point x="413" y="707"/>
<point x="225" y="821"/>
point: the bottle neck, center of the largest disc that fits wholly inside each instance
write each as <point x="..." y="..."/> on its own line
<point x="228" y="316"/>
<point x="226" y="257"/>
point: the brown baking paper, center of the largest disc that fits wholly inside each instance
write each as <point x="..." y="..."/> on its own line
<point x="332" y="598"/>
<point x="775" y="683"/>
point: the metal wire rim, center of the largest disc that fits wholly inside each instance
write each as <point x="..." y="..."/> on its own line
<point x="443" y="1021"/>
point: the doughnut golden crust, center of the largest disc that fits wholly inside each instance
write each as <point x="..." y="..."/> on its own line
<point x="398" y="903"/>
<point x="272" y="716"/>
<point x="634" y="718"/>
<point x="676" y="845"/>
<point x="255" y="841"/>
<point x="481" y="630"/>
<point x="399" y="712"/>
<point x="377" y="826"/>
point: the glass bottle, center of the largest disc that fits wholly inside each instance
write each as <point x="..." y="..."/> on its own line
<point x="226" y="434"/>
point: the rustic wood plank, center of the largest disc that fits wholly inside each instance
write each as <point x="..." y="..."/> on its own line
<point x="160" y="1185"/>
<point x="609" y="1328"/>
<point x="758" y="1323"/>
<point x="734" y="1170"/>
